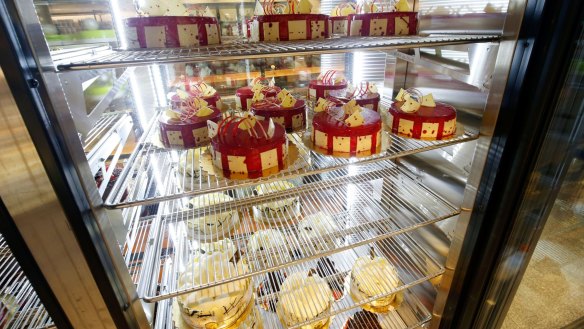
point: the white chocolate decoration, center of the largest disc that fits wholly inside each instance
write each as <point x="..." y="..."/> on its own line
<point x="428" y="101"/>
<point x="288" y="101"/>
<point x="374" y="276"/>
<point x="344" y="9"/>
<point x="410" y="106"/>
<point x="402" y="5"/>
<point x="211" y="221"/>
<point x="322" y="104"/>
<point x="257" y="96"/>
<point x="401" y="95"/>
<point x="303" y="297"/>
<point x="271" y="129"/>
<point x="204" y="111"/>
<point x="213" y="128"/>
<point x="182" y="94"/>
<point x="282" y="94"/>
<point x="172" y="114"/>
<point x="355" y="119"/>
<point x="351" y="107"/>
<point x="304" y="7"/>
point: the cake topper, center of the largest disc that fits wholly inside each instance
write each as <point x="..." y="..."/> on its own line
<point x="246" y="122"/>
<point x="331" y="77"/>
<point x="361" y="89"/>
<point x="412" y="100"/>
<point x="212" y="128"/>
<point x="324" y="105"/>
<point x="344" y="9"/>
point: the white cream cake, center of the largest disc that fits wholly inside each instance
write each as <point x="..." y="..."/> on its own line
<point x="212" y="226"/>
<point x="286" y="208"/>
<point x="318" y="226"/>
<point x="372" y="276"/>
<point x="272" y="243"/>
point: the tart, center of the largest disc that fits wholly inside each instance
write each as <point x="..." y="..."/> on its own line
<point x="247" y="147"/>
<point x="317" y="230"/>
<point x="371" y="20"/>
<point x="347" y="129"/>
<point x="418" y="116"/>
<point x="278" y="211"/>
<point x="268" y="247"/>
<point x="372" y="276"/>
<point x="244" y="95"/>
<point x="326" y="83"/>
<point x="364" y="93"/>
<point x="283" y="109"/>
<point x="214" y="226"/>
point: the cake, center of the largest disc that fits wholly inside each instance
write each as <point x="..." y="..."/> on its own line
<point x="371" y="20"/>
<point x="277" y="211"/>
<point x="214" y="226"/>
<point x="268" y="247"/>
<point x="268" y="289"/>
<point x="364" y="93"/>
<point x="225" y="246"/>
<point x="247" y="147"/>
<point x="188" y="89"/>
<point x="221" y="306"/>
<point x="189" y="170"/>
<point x="372" y="276"/>
<point x="287" y="21"/>
<point x="253" y="320"/>
<point x="187" y="127"/>
<point x="318" y="231"/>
<point x="284" y="109"/>
<point x="168" y="24"/>
<point x="347" y="129"/>
<point x="325" y="83"/>
<point x="339" y="19"/>
<point x="363" y="319"/>
<point x="418" y="116"/>
<point x="244" y="95"/>
<point x="325" y="268"/>
<point x="303" y="297"/>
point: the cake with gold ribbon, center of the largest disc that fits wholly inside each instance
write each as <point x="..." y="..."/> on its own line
<point x="284" y="109"/>
<point x="326" y="82"/>
<point x="245" y="95"/>
<point x="373" y="18"/>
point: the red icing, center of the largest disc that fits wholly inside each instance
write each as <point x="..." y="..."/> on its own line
<point x="324" y="122"/>
<point x="390" y="16"/>
<point x="321" y="87"/>
<point x="282" y="20"/>
<point x="171" y="27"/>
<point x="272" y="108"/>
<point x="245" y="93"/>
<point x="364" y="100"/>
<point x="439" y="114"/>
<point x="176" y="102"/>
<point x="186" y="128"/>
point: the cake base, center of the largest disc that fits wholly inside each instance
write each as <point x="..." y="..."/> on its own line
<point x="313" y="325"/>
<point x="179" y="323"/>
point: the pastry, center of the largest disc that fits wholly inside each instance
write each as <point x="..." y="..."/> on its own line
<point x="318" y="230"/>
<point x="168" y="24"/>
<point x="268" y="289"/>
<point x="361" y="320"/>
<point x="188" y="89"/>
<point x="253" y="320"/>
<point x="284" y="109"/>
<point x="349" y="128"/>
<point x="287" y="21"/>
<point x="214" y="226"/>
<point x="364" y="93"/>
<point x="244" y="95"/>
<point x="187" y="127"/>
<point x="418" y="116"/>
<point x="303" y="297"/>
<point x="324" y="84"/>
<point x="247" y="147"/>
<point x="268" y="247"/>
<point x="374" y="20"/>
<point x="220" y="306"/>
<point x="277" y="211"/>
<point x="325" y="268"/>
<point x="372" y="276"/>
<point x="339" y="19"/>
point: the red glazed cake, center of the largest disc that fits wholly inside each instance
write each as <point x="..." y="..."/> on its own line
<point x="283" y="109"/>
<point x="187" y="128"/>
<point x="364" y="93"/>
<point x="247" y="147"/>
<point x="373" y="21"/>
<point x="326" y="83"/>
<point x="197" y="89"/>
<point x="347" y="129"/>
<point x="244" y="95"/>
<point x="423" y="119"/>
<point x="338" y="21"/>
<point x="171" y="32"/>
<point x="284" y="22"/>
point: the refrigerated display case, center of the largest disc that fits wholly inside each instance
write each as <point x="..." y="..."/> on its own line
<point x="105" y="209"/>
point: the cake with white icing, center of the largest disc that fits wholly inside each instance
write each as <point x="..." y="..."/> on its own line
<point x="374" y="19"/>
<point x="339" y="18"/>
<point x="304" y="296"/>
<point x="326" y="82"/>
<point x="244" y="95"/>
<point x="318" y="230"/>
<point x="283" y="109"/>
<point x="268" y="247"/>
<point x="221" y="306"/>
<point x="211" y="226"/>
<point x="169" y="24"/>
<point x="372" y="276"/>
<point x="276" y="211"/>
<point x="364" y="93"/>
<point x="292" y="20"/>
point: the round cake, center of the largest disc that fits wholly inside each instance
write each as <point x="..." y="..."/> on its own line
<point x="372" y="276"/>
<point x="339" y="18"/>
<point x="421" y="119"/>
<point x="248" y="148"/>
<point x="222" y="306"/>
<point x="304" y="296"/>
<point x="268" y="247"/>
<point x="326" y="82"/>
<point x="373" y="19"/>
<point x="244" y="95"/>
<point x="318" y="229"/>
<point x="364" y="93"/>
<point x="279" y="211"/>
<point x="283" y="109"/>
<point x="363" y="319"/>
<point x="211" y="227"/>
<point x="194" y="89"/>
<point x="348" y="129"/>
<point x="187" y="127"/>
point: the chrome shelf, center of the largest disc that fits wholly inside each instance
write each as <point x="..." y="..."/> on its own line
<point x="110" y="58"/>
<point x="379" y="205"/>
<point x="155" y="169"/>
<point x="20" y="307"/>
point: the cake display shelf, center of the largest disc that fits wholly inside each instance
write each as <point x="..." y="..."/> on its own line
<point x="237" y="49"/>
<point x="386" y="204"/>
<point x="155" y="168"/>
<point x="412" y="263"/>
<point x="20" y="307"/>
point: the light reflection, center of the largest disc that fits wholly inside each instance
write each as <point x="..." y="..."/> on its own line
<point x="119" y="24"/>
<point x="159" y="90"/>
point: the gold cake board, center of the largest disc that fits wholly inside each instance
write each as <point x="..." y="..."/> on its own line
<point x="179" y="323"/>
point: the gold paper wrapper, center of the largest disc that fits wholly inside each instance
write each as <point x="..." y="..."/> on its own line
<point x="398" y="298"/>
<point x="179" y="323"/>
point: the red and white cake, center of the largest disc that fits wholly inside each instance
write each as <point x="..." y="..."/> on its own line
<point x="339" y="19"/>
<point x="247" y="147"/>
<point x="283" y="109"/>
<point x="168" y="24"/>
<point x="421" y="118"/>
<point x="194" y="89"/>
<point x="244" y="95"/>
<point x="284" y="22"/>
<point x="364" y="93"/>
<point x="326" y="82"/>
<point x="370" y="20"/>
<point x="347" y="129"/>
<point x="187" y="127"/>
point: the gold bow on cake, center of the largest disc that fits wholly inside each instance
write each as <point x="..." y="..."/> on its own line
<point x="412" y="100"/>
